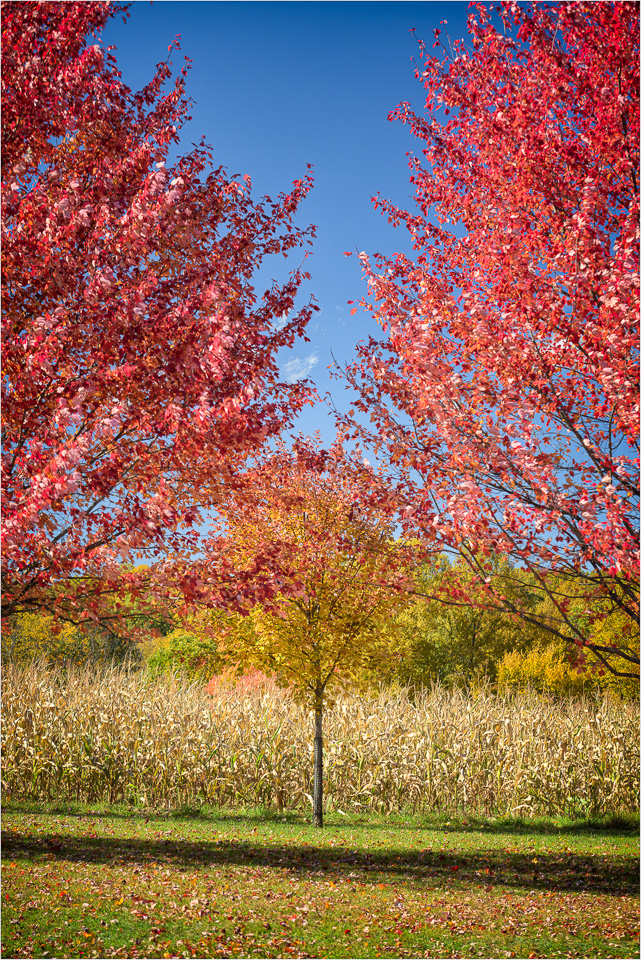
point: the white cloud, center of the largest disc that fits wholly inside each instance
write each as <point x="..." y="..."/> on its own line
<point x="299" y="368"/>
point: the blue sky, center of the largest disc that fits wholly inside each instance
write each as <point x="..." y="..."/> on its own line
<point x="278" y="85"/>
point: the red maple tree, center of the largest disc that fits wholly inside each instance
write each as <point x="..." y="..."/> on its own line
<point x="139" y="362"/>
<point x="506" y="390"/>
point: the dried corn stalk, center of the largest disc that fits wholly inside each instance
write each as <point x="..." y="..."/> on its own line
<point x="118" y="736"/>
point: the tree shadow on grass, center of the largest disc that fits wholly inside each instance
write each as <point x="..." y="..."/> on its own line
<point x="539" y="871"/>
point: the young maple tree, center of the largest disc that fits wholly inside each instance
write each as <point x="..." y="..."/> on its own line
<point x="341" y="573"/>
<point x="139" y="362"/>
<point x="506" y="390"/>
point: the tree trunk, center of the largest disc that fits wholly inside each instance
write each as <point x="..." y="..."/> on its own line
<point x="317" y="806"/>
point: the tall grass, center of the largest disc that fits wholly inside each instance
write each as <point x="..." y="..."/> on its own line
<point x="117" y="736"/>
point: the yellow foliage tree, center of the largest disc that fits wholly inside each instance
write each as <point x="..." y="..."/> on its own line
<point x="341" y="575"/>
<point x="550" y="667"/>
<point x="37" y="636"/>
<point x="546" y="668"/>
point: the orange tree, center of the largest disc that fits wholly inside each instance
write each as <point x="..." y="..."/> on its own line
<point x="341" y="574"/>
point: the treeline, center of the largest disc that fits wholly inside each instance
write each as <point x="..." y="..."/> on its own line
<point x="428" y="642"/>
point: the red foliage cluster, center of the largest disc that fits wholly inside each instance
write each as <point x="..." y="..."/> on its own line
<point x="506" y="392"/>
<point x="139" y="363"/>
<point x="248" y="682"/>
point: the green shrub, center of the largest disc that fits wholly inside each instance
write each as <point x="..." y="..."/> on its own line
<point x="193" y="655"/>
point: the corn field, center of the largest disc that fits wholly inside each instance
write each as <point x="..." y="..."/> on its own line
<point x="123" y="736"/>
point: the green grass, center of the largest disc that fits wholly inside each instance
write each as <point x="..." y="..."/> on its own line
<point x="107" y="881"/>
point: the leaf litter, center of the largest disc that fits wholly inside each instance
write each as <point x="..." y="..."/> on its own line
<point x="131" y="885"/>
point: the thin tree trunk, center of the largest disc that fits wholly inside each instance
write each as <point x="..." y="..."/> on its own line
<point x="317" y="811"/>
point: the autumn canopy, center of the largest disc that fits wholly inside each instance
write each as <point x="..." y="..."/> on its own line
<point x="141" y="394"/>
<point x="139" y="362"/>
<point x="506" y="391"/>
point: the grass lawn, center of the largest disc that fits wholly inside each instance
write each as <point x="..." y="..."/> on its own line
<point x="107" y="881"/>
